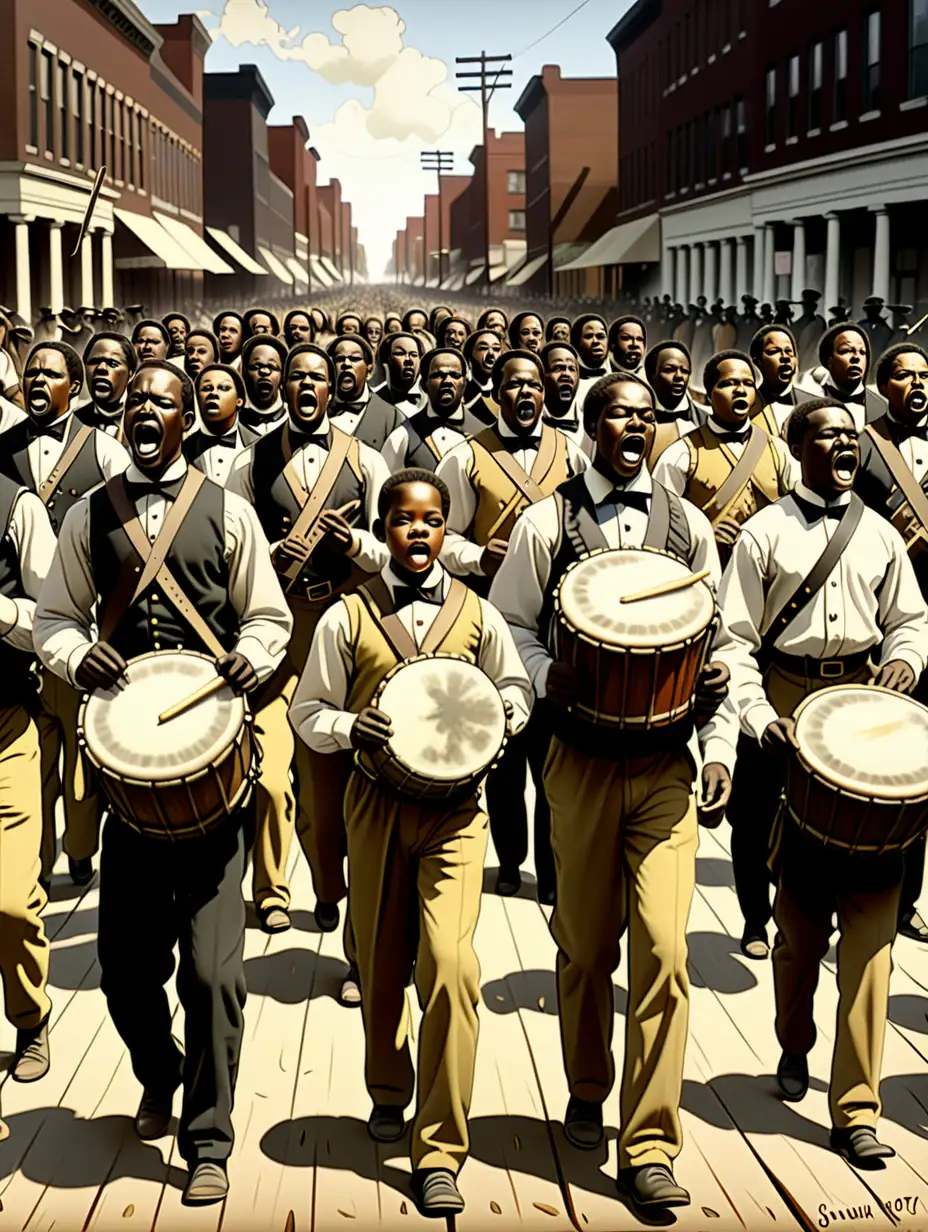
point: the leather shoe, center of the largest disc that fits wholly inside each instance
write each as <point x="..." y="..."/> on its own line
<point x="81" y="871"/>
<point x="508" y="882"/>
<point x="207" y="1183"/>
<point x="754" y="942"/>
<point x="793" y="1077"/>
<point x="327" y="916"/>
<point x="273" y="919"/>
<point x="912" y="925"/>
<point x="583" y="1123"/>
<point x="386" y="1123"/>
<point x="33" y="1058"/>
<point x="650" y="1186"/>
<point x="154" y="1115"/>
<point x="350" y="992"/>
<point x="436" y="1192"/>
<point x="860" y="1146"/>
<point x="547" y="895"/>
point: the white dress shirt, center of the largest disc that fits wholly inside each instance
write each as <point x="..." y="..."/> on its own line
<point x="518" y="589"/>
<point x="271" y="417"/>
<point x="571" y="424"/>
<point x="817" y="381"/>
<point x="773" y="556"/>
<point x="414" y="400"/>
<point x="10" y="414"/>
<point x="308" y="460"/>
<point x="349" y="420"/>
<point x="65" y="612"/>
<point x="34" y="543"/>
<point x="318" y="711"/>
<point x="673" y="466"/>
<point x="44" y="453"/>
<point x="913" y="449"/>
<point x="456" y="468"/>
<point x="216" y="460"/>
<point x="445" y="436"/>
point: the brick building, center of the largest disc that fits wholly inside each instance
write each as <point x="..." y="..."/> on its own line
<point x="329" y="198"/>
<point x="294" y="163"/>
<point x="506" y="203"/>
<point x="435" y="236"/>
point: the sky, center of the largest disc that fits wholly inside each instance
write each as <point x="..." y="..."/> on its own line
<point x="376" y="84"/>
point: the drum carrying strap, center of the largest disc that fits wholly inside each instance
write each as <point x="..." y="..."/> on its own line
<point x="132" y="584"/>
<point x="312" y="504"/>
<point x="740" y="477"/>
<point x="526" y="485"/>
<point x="376" y="595"/>
<point x="903" y="478"/>
<point x="45" y="491"/>
<point x="818" y="575"/>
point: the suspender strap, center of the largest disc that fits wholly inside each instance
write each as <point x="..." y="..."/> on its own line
<point x="313" y="504"/>
<point x="903" y="478"/>
<point x="379" y="601"/>
<point x="46" y="490"/>
<point x="659" y="519"/>
<point x="527" y="486"/>
<point x="740" y="477"/>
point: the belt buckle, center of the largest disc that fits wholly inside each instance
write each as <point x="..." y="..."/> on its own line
<point x="321" y="590"/>
<point x="824" y="669"/>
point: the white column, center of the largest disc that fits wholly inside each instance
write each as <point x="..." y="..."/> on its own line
<point x="107" y="294"/>
<point x="832" y="261"/>
<point x="23" y="270"/>
<point x="741" y="268"/>
<point x="710" y="281"/>
<point x="668" y="271"/>
<point x="725" y="291"/>
<point x="798" y="281"/>
<point x="55" y="268"/>
<point x="881" y="253"/>
<point x="757" y="272"/>
<point x="87" y="270"/>
<point x="683" y="286"/>
<point x="695" y="272"/>
<point x="768" y="294"/>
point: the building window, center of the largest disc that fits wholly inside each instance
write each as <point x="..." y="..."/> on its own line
<point x="840" y="107"/>
<point x="793" y="111"/>
<point x="77" y="108"/>
<point x="111" y="130"/>
<point x="741" y="126"/>
<point x="770" y="104"/>
<point x="871" y="91"/>
<point x="515" y="182"/>
<point x="124" y="169"/>
<point x="46" y="91"/>
<point x="63" y="110"/>
<point x="140" y="135"/>
<point x="815" y="86"/>
<point x="92" y="127"/>
<point x="726" y="139"/>
<point x="33" y="96"/>
<point x="918" y="48"/>
<point x="517" y="220"/>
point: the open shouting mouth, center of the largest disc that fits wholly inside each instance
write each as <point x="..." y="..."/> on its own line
<point x="525" y="410"/>
<point x="632" y="448"/>
<point x="845" y="464"/>
<point x="147" y="435"/>
<point x="40" y="400"/>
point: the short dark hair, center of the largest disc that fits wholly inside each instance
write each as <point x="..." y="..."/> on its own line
<point x="188" y="395"/>
<point x="357" y="339"/>
<point x="226" y="370"/>
<point x="710" y="374"/>
<point x="472" y="339"/>
<point x="253" y="312"/>
<point x="668" y="344"/>
<point x="557" y="346"/>
<point x="430" y="356"/>
<point x="230" y="312"/>
<point x="455" y="320"/>
<point x="350" y="315"/>
<point x="175" y="316"/>
<point x="516" y="324"/>
<point x="576" y="330"/>
<point x="597" y="398"/>
<point x="628" y="319"/>
<point x="485" y="316"/>
<point x="383" y="351"/>
<point x="884" y="367"/>
<point x="304" y="348"/>
<point x="208" y="335"/>
<point x="550" y="324"/>
<point x="504" y="358"/>
<point x="757" y="342"/>
<point x="408" y="313"/>
<point x="300" y="312"/>
<point x="270" y="340"/>
<point x="797" y="425"/>
<point x="412" y="474"/>
<point x="826" y="346"/>
<point x="130" y="354"/>
<point x="150" y="324"/>
<point x="72" y="360"/>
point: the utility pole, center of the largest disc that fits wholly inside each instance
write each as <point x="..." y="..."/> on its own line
<point x="486" y="93"/>
<point x="438" y="161"/>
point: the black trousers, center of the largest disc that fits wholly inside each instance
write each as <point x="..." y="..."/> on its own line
<point x="153" y="895"/>
<point x="752" y="811"/>
<point x="506" y="799"/>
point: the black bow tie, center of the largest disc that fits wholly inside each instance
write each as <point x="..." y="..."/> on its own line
<point x="229" y="439"/>
<point x="404" y="595"/>
<point x="169" y="489"/>
<point x="630" y="500"/>
<point x="56" y="428"/>
<point x="256" y="419"/>
<point x="733" y="437"/>
<point x="832" y="391"/>
<point x="813" y="513"/>
<point x="587" y="374"/>
<point x="514" y="443"/>
<point x="565" y="423"/>
<point x="339" y="408"/>
<point x="903" y="433"/>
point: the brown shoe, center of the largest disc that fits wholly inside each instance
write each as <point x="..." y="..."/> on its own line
<point x="207" y="1183"/>
<point x="33" y="1058"/>
<point x="273" y="919"/>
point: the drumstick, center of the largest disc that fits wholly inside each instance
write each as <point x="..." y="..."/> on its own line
<point x="665" y="588"/>
<point x="293" y="571"/>
<point x="204" y="691"/>
<point x="884" y="729"/>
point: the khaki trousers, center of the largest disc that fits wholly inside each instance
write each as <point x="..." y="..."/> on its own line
<point x="24" y="948"/>
<point x="399" y="852"/>
<point x="57" y="725"/>
<point x="624" y="837"/>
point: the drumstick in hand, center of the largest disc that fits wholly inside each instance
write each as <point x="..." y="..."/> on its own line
<point x="204" y="691"/>
<point x="666" y="588"/>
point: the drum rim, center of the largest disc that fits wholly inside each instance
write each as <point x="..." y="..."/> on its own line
<point x="88" y="752"/>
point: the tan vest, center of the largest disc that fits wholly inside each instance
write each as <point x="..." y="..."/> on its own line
<point x="711" y="462"/>
<point x="766" y="419"/>
<point x="499" y="501"/>
<point x="665" y="435"/>
<point x="374" y="657"/>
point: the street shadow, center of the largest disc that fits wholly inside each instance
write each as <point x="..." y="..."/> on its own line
<point x="753" y="1103"/>
<point x="905" y="1101"/>
<point x="294" y="976"/>
<point x="526" y="890"/>
<point x="63" y="889"/>
<point x="76" y="924"/>
<point x="533" y="990"/>
<point x="74" y="966"/>
<point x="715" y="962"/>
<point x="909" y="1011"/>
<point x="303" y="920"/>
<point x="711" y="871"/>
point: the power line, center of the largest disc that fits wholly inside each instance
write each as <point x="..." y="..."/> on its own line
<point x="541" y="39"/>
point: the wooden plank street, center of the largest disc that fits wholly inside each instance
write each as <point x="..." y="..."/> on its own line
<point x="303" y="1161"/>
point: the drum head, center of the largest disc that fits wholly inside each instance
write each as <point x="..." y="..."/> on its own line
<point x="591" y="589"/>
<point x="866" y="740"/>
<point x="447" y="715"/>
<point x="123" y="733"/>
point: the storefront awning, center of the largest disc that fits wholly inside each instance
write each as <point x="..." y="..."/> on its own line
<point x="632" y="243"/>
<point x="165" y="250"/>
<point x="456" y="283"/>
<point x="235" y="251"/>
<point x="474" y="274"/>
<point x="277" y="268"/>
<point x="318" y="272"/>
<point x="525" y="272"/>
<point x="298" y="272"/>
<point x="497" y="271"/>
<point x="330" y="269"/>
<point x="194" y="244"/>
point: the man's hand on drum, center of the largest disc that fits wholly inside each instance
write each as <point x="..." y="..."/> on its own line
<point x="100" y="667"/>
<point x="726" y="531"/>
<point x="779" y="737"/>
<point x="561" y="685"/>
<point x="338" y="536"/>
<point x="238" y="672"/>
<point x="716" y="788"/>
<point x="711" y="690"/>
<point x="492" y="556"/>
<point x="371" y="729"/>
<point x="895" y="675"/>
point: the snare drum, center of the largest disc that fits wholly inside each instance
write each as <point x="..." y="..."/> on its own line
<point x="860" y="778"/>
<point x="449" y="728"/>
<point x="637" y="663"/>
<point x="174" y="779"/>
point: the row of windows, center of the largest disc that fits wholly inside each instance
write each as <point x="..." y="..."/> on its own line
<point x="75" y="117"/>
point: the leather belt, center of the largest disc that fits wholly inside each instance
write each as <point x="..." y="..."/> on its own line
<point x="820" y="669"/>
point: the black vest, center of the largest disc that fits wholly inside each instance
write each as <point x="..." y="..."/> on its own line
<point x="421" y="425"/>
<point x="19" y="681"/>
<point x="197" y="561"/>
<point x="877" y="489"/>
<point x="278" y="510"/>
<point x="579" y="534"/>
<point x="83" y="474"/>
<point x="377" y="421"/>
